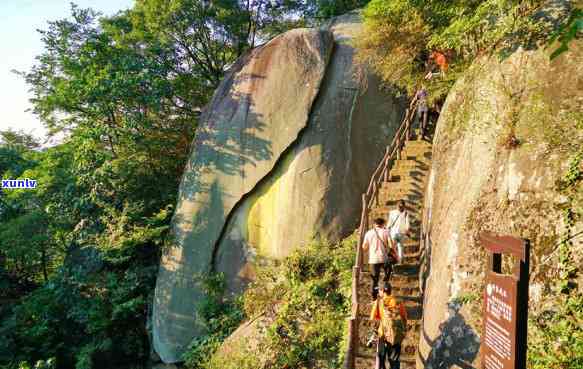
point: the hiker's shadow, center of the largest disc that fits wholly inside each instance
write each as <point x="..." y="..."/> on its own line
<point x="456" y="346"/>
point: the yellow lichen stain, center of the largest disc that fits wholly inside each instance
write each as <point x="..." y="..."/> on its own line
<point x="265" y="211"/>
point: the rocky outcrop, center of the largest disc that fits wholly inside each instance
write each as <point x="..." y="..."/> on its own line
<point x="505" y="139"/>
<point x="281" y="155"/>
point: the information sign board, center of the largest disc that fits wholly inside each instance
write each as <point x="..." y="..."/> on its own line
<point x="505" y="304"/>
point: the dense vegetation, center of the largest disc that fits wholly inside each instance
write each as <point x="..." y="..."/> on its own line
<point x="401" y="35"/>
<point x="298" y="309"/>
<point x="79" y="254"/>
<point x="560" y="324"/>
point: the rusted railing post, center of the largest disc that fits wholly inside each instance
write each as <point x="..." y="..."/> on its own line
<point x="399" y="148"/>
<point x="349" y="359"/>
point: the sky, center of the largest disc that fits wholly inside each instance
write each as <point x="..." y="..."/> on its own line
<point x="20" y="43"/>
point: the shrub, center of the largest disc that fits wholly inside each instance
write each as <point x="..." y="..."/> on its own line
<point x="306" y="298"/>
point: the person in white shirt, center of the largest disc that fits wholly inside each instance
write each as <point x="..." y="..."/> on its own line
<point x="381" y="253"/>
<point x="399" y="227"/>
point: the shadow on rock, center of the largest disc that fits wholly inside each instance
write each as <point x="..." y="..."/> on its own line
<point x="456" y="346"/>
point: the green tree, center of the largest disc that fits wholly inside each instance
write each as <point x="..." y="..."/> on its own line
<point x="127" y="113"/>
<point x="80" y="252"/>
<point x="18" y="139"/>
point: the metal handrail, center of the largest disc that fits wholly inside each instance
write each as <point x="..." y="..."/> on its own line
<point x="369" y="199"/>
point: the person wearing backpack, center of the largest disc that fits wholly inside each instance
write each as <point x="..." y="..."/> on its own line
<point x="381" y="254"/>
<point x="392" y="317"/>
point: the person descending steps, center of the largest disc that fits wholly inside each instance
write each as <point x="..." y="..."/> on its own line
<point x="392" y="318"/>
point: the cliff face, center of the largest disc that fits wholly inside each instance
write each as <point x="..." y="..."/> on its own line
<point x="506" y="138"/>
<point x="283" y="152"/>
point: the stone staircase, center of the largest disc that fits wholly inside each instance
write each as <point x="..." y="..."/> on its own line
<point x="407" y="181"/>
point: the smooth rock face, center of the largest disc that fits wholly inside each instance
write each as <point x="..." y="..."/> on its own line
<point x="482" y="180"/>
<point x="284" y="151"/>
<point x="316" y="188"/>
<point x="256" y="113"/>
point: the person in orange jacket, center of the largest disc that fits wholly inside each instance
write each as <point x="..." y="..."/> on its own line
<point x="392" y="317"/>
<point x="441" y="61"/>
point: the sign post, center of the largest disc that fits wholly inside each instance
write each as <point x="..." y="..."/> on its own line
<point x="505" y="304"/>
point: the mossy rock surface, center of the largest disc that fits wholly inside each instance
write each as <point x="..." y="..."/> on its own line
<point x="508" y="132"/>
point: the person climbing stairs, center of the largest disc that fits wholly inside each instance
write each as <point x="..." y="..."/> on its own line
<point x="404" y="180"/>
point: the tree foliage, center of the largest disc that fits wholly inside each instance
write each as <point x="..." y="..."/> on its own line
<point x="568" y="32"/>
<point x="400" y="36"/>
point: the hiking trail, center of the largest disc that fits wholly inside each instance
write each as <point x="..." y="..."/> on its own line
<point x="404" y="174"/>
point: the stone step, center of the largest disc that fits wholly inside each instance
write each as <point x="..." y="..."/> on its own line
<point x="423" y="156"/>
<point x="418" y="144"/>
<point x="368" y="356"/>
<point x="384" y="210"/>
<point x="402" y="189"/>
<point x="410" y="169"/>
<point x="415" y="184"/>
<point x="412" y="195"/>
<point x="409" y="163"/>
<point x="422" y="150"/>
<point x="400" y="186"/>
<point x="411" y="205"/>
<point x="411" y="255"/>
<point x="399" y="283"/>
<point x="367" y="362"/>
<point x="368" y="328"/>
<point x="404" y="175"/>
<point x="420" y="180"/>
<point x="407" y="181"/>
<point x="416" y="176"/>
<point x="404" y="270"/>
<point x="408" y="293"/>
<point x="410" y="166"/>
<point x="409" y="247"/>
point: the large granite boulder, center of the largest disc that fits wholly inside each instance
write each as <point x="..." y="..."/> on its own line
<point x="283" y="152"/>
<point x="508" y="132"/>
